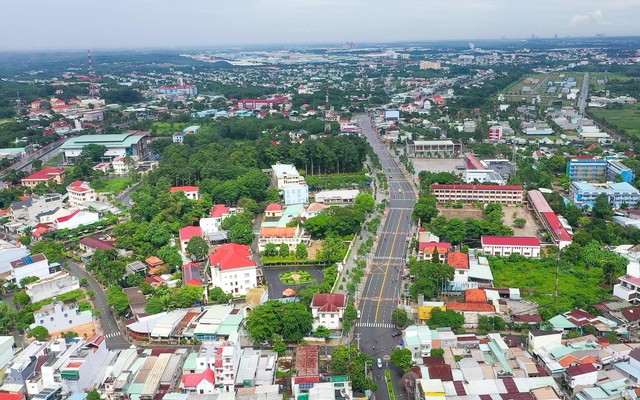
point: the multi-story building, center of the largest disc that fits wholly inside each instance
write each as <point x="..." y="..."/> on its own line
<point x="130" y="143"/>
<point x="507" y="245"/>
<point x="24" y="363"/>
<point x="618" y="194"/>
<point x="178" y="90"/>
<point x="79" y="193"/>
<point x="28" y="210"/>
<point x="418" y="339"/>
<point x="629" y="287"/>
<point x="10" y="252"/>
<point x="213" y="224"/>
<point x="290" y="235"/>
<point x="232" y="269"/>
<point x="191" y="192"/>
<point x="346" y="196"/>
<point x="328" y="309"/>
<point x="35" y="265"/>
<point x="598" y="170"/>
<point x="482" y="176"/>
<point x="507" y="194"/>
<point x="46" y="176"/>
<point x="60" y="317"/>
<point x="495" y="133"/>
<point x="432" y="148"/>
<point x="285" y="174"/>
<point x="257" y="104"/>
<point x="295" y="193"/>
<point x="121" y="165"/>
<point x="53" y="286"/>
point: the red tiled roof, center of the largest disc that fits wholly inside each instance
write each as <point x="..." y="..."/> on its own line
<point x="631" y="314"/>
<point x="219" y="210"/>
<point x="44" y="174"/>
<point x="569" y="359"/>
<point x="183" y="189"/>
<point x="307" y="361"/>
<point x="274" y="207"/>
<point x="96" y="243"/>
<point x="559" y="231"/>
<point x="11" y="396"/>
<point x="510" y="241"/>
<point x="188" y="232"/>
<point x="477" y="187"/>
<point x="231" y="256"/>
<point x="329" y="302"/>
<point x="154" y="261"/>
<point x="288" y="232"/>
<point x="475" y="296"/>
<point x="193" y="380"/>
<point x="527" y="318"/>
<point x="581" y="369"/>
<point x="67" y="217"/>
<point x="458" y="260"/>
<point x="428" y="247"/>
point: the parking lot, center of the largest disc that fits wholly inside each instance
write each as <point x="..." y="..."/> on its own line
<point x="437" y="165"/>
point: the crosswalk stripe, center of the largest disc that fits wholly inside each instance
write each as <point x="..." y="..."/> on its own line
<point x="112" y="334"/>
<point x="374" y="325"/>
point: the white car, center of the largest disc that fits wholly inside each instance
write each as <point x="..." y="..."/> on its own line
<point x="379" y="363"/>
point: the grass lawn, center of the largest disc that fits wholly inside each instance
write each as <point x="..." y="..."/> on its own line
<point x="295" y="277"/>
<point x="627" y="118"/>
<point x="112" y="185"/>
<point x="536" y="280"/>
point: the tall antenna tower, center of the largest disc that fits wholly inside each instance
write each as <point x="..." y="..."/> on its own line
<point x="94" y="90"/>
<point x="327" y="123"/>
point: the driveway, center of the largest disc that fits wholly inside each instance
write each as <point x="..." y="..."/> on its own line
<point x="276" y="287"/>
<point x="107" y="321"/>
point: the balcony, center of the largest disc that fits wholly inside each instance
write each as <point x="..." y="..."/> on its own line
<point x="624" y="292"/>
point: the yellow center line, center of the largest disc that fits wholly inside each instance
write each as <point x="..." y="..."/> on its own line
<point x="393" y="245"/>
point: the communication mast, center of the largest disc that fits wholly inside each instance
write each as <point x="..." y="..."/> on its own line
<point x="327" y="107"/>
<point x="94" y="90"/>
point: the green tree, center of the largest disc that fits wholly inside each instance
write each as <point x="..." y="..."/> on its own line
<point x="437" y="352"/>
<point x="425" y="209"/>
<point x="278" y="345"/>
<point x="350" y="361"/>
<point x="134" y="280"/>
<point x="218" y="296"/>
<point x="519" y="222"/>
<point x="29" y="279"/>
<point x="333" y="249"/>
<point x="262" y="323"/>
<point x="7" y="319"/>
<point x="53" y="250"/>
<point x="93" y="395"/>
<point x="301" y="251"/>
<point x="322" y="332"/>
<point x="39" y="333"/>
<point x="403" y="359"/>
<point x="198" y="247"/>
<point x="399" y="317"/>
<point x="270" y="250"/>
<point x="601" y="208"/>
<point x="364" y="202"/>
<point x="186" y="296"/>
<point x="284" y="250"/>
<point x="349" y="316"/>
<point x="117" y="299"/>
<point x="93" y="152"/>
<point x="443" y="319"/>
<point x="21" y="299"/>
<point x="154" y="306"/>
<point x="296" y="320"/>
<point x="429" y="277"/>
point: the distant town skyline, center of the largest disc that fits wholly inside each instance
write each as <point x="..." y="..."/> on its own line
<point x="118" y="24"/>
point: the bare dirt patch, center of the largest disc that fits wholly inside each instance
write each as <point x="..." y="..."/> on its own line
<point x="462" y="213"/>
<point x="512" y="213"/>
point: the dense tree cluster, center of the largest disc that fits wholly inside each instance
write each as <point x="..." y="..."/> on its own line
<point x="428" y="278"/>
<point x="292" y="321"/>
<point x="350" y="361"/>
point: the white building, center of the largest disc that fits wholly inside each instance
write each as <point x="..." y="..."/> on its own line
<point x="629" y="286"/>
<point x="581" y="375"/>
<point x="10" y="252"/>
<point x="185" y="235"/>
<point x="6" y="350"/>
<point x="27" y="210"/>
<point x="547" y="339"/>
<point x="328" y="309"/>
<point x="121" y="165"/>
<point x="295" y="193"/>
<point x="337" y="196"/>
<point x="191" y="192"/>
<point x="418" y="339"/>
<point x="482" y="176"/>
<point x="35" y="265"/>
<point x="232" y="269"/>
<point x="285" y="174"/>
<point x="61" y="317"/>
<point x="506" y="245"/>
<point x="53" y="286"/>
<point x="290" y="235"/>
<point x="178" y="137"/>
<point x="79" y="193"/>
<point x="76" y="219"/>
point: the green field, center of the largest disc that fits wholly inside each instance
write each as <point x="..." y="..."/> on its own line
<point x="594" y="77"/>
<point x="110" y="185"/>
<point x="626" y="120"/>
<point x="167" y="128"/>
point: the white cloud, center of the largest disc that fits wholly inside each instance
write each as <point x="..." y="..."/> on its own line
<point x="595" y="17"/>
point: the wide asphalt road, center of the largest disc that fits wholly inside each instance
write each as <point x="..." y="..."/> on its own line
<point x="107" y="321"/>
<point x="381" y="293"/>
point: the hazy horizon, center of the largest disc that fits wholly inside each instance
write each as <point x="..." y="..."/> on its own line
<point x="32" y="25"/>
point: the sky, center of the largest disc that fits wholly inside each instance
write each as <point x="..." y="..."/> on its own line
<point x="176" y="24"/>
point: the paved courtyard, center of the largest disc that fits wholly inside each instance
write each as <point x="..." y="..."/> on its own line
<point x="276" y="287"/>
<point x="437" y="165"/>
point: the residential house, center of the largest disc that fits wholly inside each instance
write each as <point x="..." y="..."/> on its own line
<point x="475" y="305"/>
<point x="35" y="265"/>
<point x="191" y="192"/>
<point x="199" y="383"/>
<point x="581" y="375"/>
<point x="629" y="286"/>
<point x="59" y="317"/>
<point x="232" y="269"/>
<point x="295" y="193"/>
<point x="290" y="235"/>
<point x="122" y="164"/>
<point x="418" y="339"/>
<point x="178" y="137"/>
<point x="46" y="176"/>
<point x="6" y="350"/>
<point x="79" y="193"/>
<point x="434" y="251"/>
<point x="28" y="210"/>
<point x="273" y="210"/>
<point x="460" y="263"/>
<point x="314" y="209"/>
<point x="90" y="244"/>
<point x="186" y="234"/>
<point x="285" y="174"/>
<point x="53" y="286"/>
<point x="328" y="309"/>
<point x="507" y="245"/>
<point x="10" y="252"/>
<point x="213" y="224"/>
<point x="539" y="338"/>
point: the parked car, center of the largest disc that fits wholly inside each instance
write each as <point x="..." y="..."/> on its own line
<point x="379" y="363"/>
<point x="396" y="334"/>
